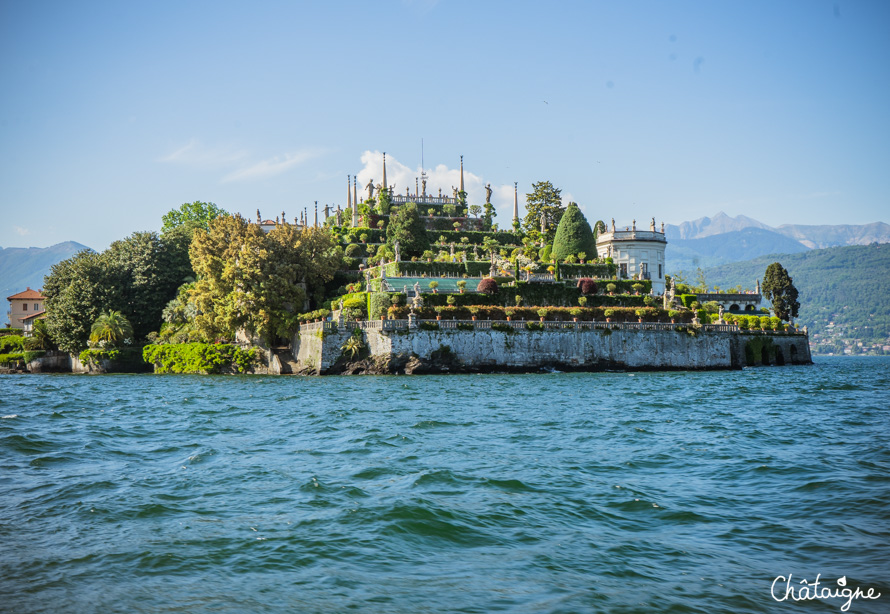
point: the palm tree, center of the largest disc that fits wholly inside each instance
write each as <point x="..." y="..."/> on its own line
<point x="111" y="327"/>
<point x="40" y="335"/>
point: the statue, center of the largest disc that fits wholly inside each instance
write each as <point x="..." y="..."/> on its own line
<point x="720" y="320"/>
<point x="662" y="228"/>
<point x="488" y="194"/>
<point x="652" y="225"/>
<point x="423" y="186"/>
<point x="416" y="289"/>
<point x="398" y="253"/>
<point x="475" y="253"/>
<point x="259" y="220"/>
<point x="454" y="193"/>
<point x="613" y="225"/>
<point x="407" y="192"/>
<point x="452" y="251"/>
<point x="327" y="211"/>
<point x="341" y="304"/>
<point x="635" y="224"/>
<point x="543" y="222"/>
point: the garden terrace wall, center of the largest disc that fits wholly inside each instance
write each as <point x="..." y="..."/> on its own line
<point x="497" y="346"/>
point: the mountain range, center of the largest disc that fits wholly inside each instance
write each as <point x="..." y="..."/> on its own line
<point x="712" y="241"/>
<point x="25" y="267"/>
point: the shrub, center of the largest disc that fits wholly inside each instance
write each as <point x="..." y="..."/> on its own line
<point x="573" y="234"/>
<point x="543" y="313"/>
<point x="504" y="328"/>
<point x="582" y="301"/>
<point x="434" y="284"/>
<point x="199" y="357"/>
<point x="488" y="286"/>
<point x="534" y="326"/>
<point x="638" y="288"/>
<point x="587" y="286"/>
<point x="648" y="301"/>
<point x="450" y="299"/>
<point x="465" y="326"/>
<point x="378" y="304"/>
<point x="462" y="284"/>
<point x="673" y="314"/>
<point x="610" y="288"/>
<point x="609" y="313"/>
<point x="353" y="250"/>
<point x="11" y="344"/>
<point x="424" y="325"/>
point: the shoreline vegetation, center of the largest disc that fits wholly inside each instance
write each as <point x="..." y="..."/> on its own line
<point x="214" y="292"/>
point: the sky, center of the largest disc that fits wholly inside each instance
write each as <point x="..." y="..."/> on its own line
<point x="113" y="113"/>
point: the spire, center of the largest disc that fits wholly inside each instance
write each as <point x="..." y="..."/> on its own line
<point x="515" y="202"/>
<point x="349" y="190"/>
<point x="461" y="173"/>
<point x="354" y="202"/>
<point x="385" y="185"/>
<point x="316" y="214"/>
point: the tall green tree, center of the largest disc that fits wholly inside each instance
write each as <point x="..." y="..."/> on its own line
<point x="573" y="235"/>
<point x="256" y="281"/>
<point x="191" y="216"/>
<point x="778" y="288"/>
<point x="406" y="227"/>
<point x="544" y="201"/>
<point x="136" y="276"/>
<point x="76" y="291"/>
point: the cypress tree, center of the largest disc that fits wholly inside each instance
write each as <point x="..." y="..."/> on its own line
<point x="573" y="235"/>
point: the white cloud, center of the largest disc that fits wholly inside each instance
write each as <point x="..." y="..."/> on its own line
<point x="401" y="177"/>
<point x="196" y="154"/>
<point x="236" y="163"/>
<point x="272" y="166"/>
<point x="21" y="231"/>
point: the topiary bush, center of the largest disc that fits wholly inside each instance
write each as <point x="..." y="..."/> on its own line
<point x="587" y="286"/>
<point x="488" y="286"/>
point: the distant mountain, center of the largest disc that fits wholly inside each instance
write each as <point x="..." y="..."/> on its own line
<point x="734" y="246"/>
<point x="712" y="241"/>
<point x="843" y="290"/>
<point x="818" y="237"/>
<point x="709" y="226"/>
<point x="23" y="267"/>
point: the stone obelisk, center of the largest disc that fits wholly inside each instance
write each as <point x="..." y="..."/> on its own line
<point x="460" y="192"/>
<point x="515" y="203"/>
<point x="354" y="201"/>
<point x="384" y="185"/>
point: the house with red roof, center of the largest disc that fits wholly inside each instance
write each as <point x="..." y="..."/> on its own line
<point x="24" y="308"/>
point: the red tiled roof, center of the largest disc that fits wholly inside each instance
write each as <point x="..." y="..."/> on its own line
<point x="36" y="314"/>
<point x="27" y="294"/>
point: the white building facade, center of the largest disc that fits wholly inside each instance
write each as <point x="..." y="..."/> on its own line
<point x="639" y="254"/>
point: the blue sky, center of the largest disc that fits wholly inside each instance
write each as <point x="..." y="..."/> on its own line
<point x="113" y="113"/>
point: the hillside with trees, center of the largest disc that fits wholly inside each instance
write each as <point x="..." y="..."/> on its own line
<point x="843" y="292"/>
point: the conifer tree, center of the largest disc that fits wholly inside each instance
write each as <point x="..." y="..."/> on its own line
<point x="778" y="288"/>
<point x="406" y="226"/>
<point x="573" y="235"/>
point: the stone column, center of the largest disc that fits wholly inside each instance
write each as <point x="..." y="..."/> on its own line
<point x="515" y="202"/>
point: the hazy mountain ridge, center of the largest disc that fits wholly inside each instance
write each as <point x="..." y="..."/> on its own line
<point x="712" y="241"/>
<point x="23" y="267"/>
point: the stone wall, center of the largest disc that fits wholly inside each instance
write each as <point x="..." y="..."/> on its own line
<point x="568" y="349"/>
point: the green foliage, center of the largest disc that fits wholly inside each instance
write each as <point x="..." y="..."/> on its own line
<point x="424" y="325"/>
<point x="778" y="288"/>
<point x="200" y="358"/>
<point x="534" y="326"/>
<point x="30" y="355"/>
<point x="406" y="227"/>
<point x="573" y="235"/>
<point x="547" y="200"/>
<point x="253" y="280"/>
<point x="504" y="328"/>
<point x="94" y="355"/>
<point x="11" y="358"/>
<point x="191" y="216"/>
<point x="112" y="328"/>
<point x="378" y="303"/>
<point x="136" y="276"/>
<point x="354" y="346"/>
<point x="688" y="300"/>
<point x="11" y="343"/>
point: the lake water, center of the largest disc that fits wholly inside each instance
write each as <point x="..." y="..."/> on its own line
<point x="602" y="492"/>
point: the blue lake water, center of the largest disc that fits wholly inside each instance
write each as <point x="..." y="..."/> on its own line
<point x="602" y="492"/>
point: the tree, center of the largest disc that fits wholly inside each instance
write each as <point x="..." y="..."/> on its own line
<point x="256" y="281"/>
<point x="136" y="276"/>
<point x="475" y="210"/>
<point x="488" y="216"/>
<point x="111" y="327"/>
<point x="406" y="227"/>
<point x="778" y="288"/>
<point x="546" y="200"/>
<point x="573" y="235"/>
<point x="192" y="216"/>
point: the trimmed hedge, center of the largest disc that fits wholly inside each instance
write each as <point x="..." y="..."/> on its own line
<point x="601" y="270"/>
<point x="199" y="357"/>
<point x="477" y="237"/>
<point x="493" y="312"/>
